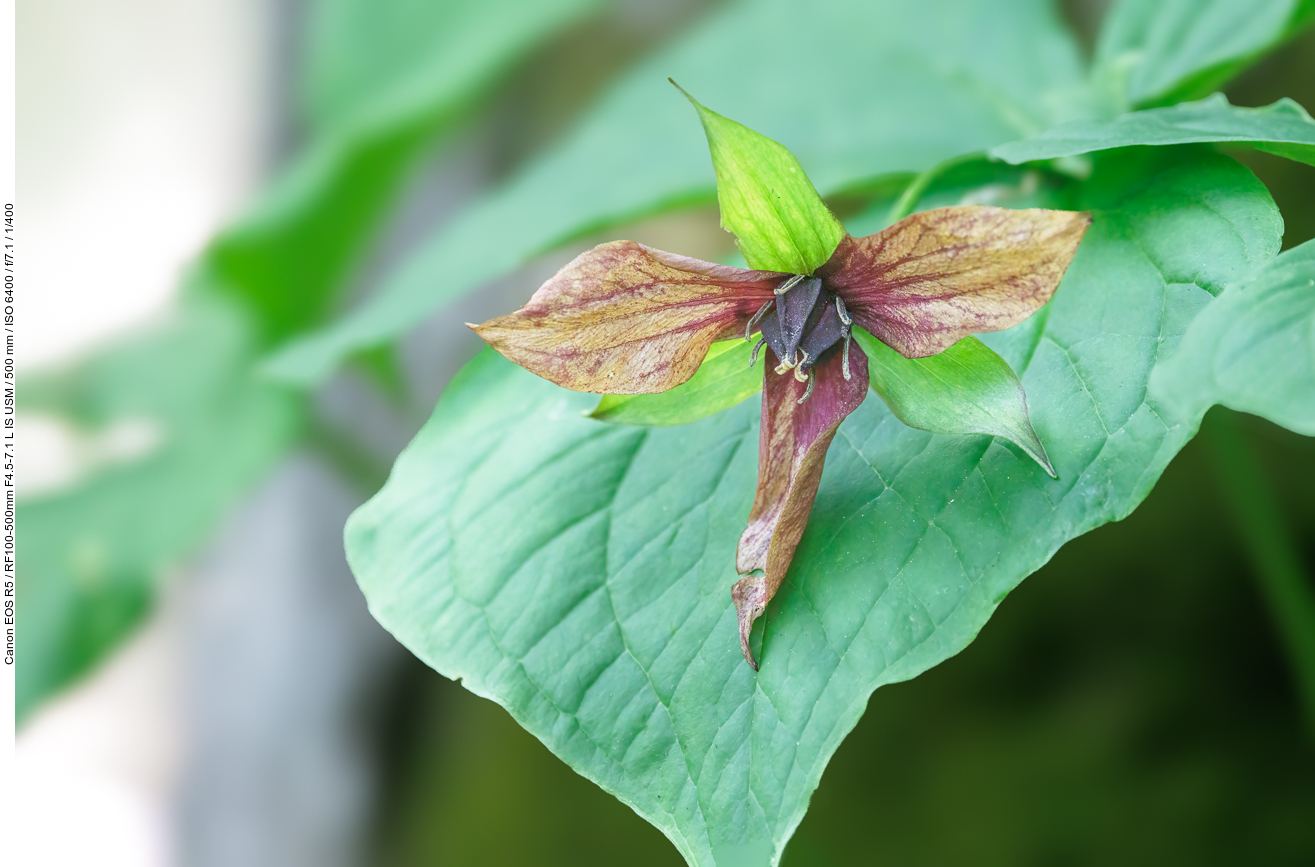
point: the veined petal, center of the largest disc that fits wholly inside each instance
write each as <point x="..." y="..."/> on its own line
<point x="938" y="276"/>
<point x="623" y="318"/>
<point x="792" y="446"/>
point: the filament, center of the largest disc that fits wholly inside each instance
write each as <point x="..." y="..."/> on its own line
<point x="748" y="329"/>
<point x="788" y="284"/>
<point x="807" y="391"/>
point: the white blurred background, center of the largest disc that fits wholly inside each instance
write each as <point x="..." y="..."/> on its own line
<point x="143" y="125"/>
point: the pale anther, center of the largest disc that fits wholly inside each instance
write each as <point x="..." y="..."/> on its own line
<point x="799" y="371"/>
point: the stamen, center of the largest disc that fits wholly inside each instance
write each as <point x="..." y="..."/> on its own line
<point x="788" y="284"/>
<point x="783" y="367"/>
<point x="844" y="314"/>
<point x="799" y="370"/>
<point x="753" y="359"/>
<point x="844" y="356"/>
<point x="748" y="329"/>
<point x="807" y="391"/>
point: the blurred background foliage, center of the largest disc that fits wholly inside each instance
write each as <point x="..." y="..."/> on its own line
<point x="1131" y="703"/>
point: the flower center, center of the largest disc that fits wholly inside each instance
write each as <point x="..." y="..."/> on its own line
<point x="808" y="319"/>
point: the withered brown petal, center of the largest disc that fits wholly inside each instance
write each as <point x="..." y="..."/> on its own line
<point x="936" y="277"/>
<point x="623" y="318"/>
<point x="792" y="444"/>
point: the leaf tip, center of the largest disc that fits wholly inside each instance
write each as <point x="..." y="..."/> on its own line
<point x="1035" y="449"/>
<point x="702" y="111"/>
<point x="1031" y="446"/>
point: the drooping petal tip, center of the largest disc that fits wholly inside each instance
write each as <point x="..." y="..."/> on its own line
<point x="793" y="440"/>
<point x="750" y="597"/>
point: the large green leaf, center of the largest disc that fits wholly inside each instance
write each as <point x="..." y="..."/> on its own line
<point x="1283" y="128"/>
<point x="1253" y="350"/>
<point x="579" y="573"/>
<point x="93" y="555"/>
<point x="889" y="86"/>
<point x="1163" y="51"/>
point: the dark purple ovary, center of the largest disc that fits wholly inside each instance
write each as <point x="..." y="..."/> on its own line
<point x="808" y="320"/>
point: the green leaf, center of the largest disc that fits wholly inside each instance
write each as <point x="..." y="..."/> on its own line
<point x="386" y="82"/>
<point x="93" y="555"/>
<point x="898" y="87"/>
<point x="1253" y="350"/>
<point x="967" y="389"/>
<point x="1165" y="51"/>
<point x="722" y="381"/>
<point x="767" y="202"/>
<point x="371" y="59"/>
<point x="1283" y="128"/>
<point x="579" y="574"/>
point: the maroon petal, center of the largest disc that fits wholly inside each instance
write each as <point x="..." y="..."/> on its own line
<point x="792" y="447"/>
<point x="935" y="277"/>
<point x="627" y="319"/>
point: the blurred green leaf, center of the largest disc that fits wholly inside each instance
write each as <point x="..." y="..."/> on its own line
<point x="1283" y="128"/>
<point x="386" y="80"/>
<point x="93" y="555"/>
<point x="967" y="389"/>
<point x="890" y="87"/>
<point x="722" y="381"/>
<point x="1253" y="350"/>
<point x="369" y="60"/>
<point x="767" y="202"/>
<point x="1165" y="51"/>
<point x="579" y="574"/>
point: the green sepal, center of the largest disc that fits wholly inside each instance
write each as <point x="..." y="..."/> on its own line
<point x="767" y="202"/>
<point x="722" y="381"/>
<point x="967" y="389"/>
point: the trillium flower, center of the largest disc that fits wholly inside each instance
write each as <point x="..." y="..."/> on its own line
<point x="624" y="318"/>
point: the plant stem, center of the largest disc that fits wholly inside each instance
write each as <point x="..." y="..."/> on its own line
<point x="1275" y="558"/>
<point x="908" y="200"/>
<point x="366" y="472"/>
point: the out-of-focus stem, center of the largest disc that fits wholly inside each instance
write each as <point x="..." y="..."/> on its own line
<point x="1284" y="580"/>
<point x="366" y="472"/>
<point x="908" y="200"/>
